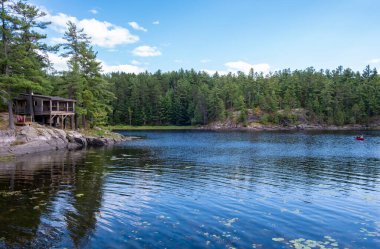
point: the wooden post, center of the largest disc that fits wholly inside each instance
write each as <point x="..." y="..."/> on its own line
<point x="72" y="121"/>
<point x="76" y="121"/>
<point x="30" y="103"/>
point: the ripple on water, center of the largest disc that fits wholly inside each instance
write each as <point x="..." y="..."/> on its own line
<point x="198" y="189"/>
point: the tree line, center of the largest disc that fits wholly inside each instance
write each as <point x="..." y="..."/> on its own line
<point x="183" y="97"/>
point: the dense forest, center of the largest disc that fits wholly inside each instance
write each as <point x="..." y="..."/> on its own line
<point x="183" y="97"/>
<point x="339" y="96"/>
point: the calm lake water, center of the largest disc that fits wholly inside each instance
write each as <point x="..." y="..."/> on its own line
<point x="195" y="189"/>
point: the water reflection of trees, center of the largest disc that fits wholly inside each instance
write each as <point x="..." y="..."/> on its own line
<point x="45" y="192"/>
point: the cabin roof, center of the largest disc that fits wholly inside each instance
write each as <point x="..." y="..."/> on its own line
<point x="54" y="98"/>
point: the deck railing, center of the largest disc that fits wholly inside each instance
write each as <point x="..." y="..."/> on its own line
<point x="23" y="119"/>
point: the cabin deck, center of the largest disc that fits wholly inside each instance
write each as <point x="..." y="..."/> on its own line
<point x="47" y="110"/>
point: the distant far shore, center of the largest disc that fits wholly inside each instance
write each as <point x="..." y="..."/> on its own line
<point x="255" y="127"/>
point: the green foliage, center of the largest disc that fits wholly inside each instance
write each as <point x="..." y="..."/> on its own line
<point x="23" y="58"/>
<point x="183" y="97"/>
<point x="337" y="97"/>
<point x="84" y="82"/>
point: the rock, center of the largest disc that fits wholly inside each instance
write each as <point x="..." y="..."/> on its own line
<point x="7" y="137"/>
<point x="27" y="133"/>
<point x="30" y="147"/>
<point x="81" y="141"/>
<point x="74" y="146"/>
<point x="96" y="142"/>
<point x="36" y="138"/>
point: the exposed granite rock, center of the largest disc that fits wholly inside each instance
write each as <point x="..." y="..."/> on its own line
<point x="31" y="139"/>
<point x="7" y="136"/>
<point x="96" y="142"/>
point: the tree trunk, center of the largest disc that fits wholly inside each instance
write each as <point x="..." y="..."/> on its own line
<point x="6" y="67"/>
<point x="84" y="121"/>
<point x="10" y="113"/>
<point x="76" y="121"/>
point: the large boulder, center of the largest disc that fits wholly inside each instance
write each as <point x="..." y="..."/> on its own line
<point x="74" y="146"/>
<point x="31" y="139"/>
<point x="76" y="138"/>
<point x="30" y="147"/>
<point x="96" y="142"/>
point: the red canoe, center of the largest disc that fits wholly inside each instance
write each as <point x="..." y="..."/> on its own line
<point x="360" y="138"/>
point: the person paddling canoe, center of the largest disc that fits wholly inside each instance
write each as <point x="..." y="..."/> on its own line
<point x="361" y="137"/>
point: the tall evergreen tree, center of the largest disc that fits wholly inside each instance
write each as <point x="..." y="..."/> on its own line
<point x="84" y="81"/>
<point x="22" y="59"/>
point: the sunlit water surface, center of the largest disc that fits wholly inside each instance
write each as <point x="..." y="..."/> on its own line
<point x="194" y="189"/>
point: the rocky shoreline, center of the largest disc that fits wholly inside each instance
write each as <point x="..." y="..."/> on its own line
<point x="36" y="138"/>
<point x="301" y="127"/>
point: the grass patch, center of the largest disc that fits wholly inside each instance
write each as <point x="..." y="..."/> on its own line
<point x="99" y="132"/>
<point x="150" y="127"/>
<point x="93" y="132"/>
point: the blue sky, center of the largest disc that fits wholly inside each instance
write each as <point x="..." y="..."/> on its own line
<point x="223" y="35"/>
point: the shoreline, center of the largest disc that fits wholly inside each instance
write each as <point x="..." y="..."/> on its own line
<point x="249" y="128"/>
<point x="36" y="138"/>
<point x="294" y="128"/>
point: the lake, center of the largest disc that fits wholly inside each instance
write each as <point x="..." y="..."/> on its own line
<point x="198" y="189"/>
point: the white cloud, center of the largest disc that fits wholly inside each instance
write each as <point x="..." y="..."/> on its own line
<point x="136" y="26"/>
<point x="146" y="51"/>
<point x="57" y="40"/>
<point x="59" y="21"/>
<point x="122" y="68"/>
<point x="93" y="11"/>
<point x="135" y="62"/>
<point x="59" y="63"/>
<point x="374" y="61"/>
<point x="103" y="34"/>
<point x="235" y="66"/>
<point x="156" y="22"/>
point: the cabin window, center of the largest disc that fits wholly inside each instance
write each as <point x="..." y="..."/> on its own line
<point x="35" y="103"/>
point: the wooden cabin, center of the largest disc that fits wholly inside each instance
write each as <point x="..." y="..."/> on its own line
<point x="47" y="110"/>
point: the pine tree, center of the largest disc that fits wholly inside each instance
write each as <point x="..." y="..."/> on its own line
<point x="22" y="60"/>
<point x="8" y="34"/>
<point x="84" y="81"/>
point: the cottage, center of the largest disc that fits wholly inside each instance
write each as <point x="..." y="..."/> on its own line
<point x="47" y="110"/>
